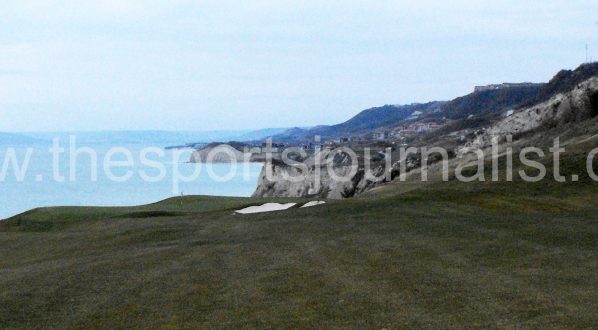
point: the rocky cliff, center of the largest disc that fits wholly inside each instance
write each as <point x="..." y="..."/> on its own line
<point x="575" y="106"/>
<point x="228" y="153"/>
<point x="564" y="110"/>
<point x="318" y="176"/>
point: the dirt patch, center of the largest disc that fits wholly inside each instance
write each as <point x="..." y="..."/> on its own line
<point x="594" y="104"/>
<point x="150" y="214"/>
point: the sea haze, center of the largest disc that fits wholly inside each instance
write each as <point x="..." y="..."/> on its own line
<point x="158" y="138"/>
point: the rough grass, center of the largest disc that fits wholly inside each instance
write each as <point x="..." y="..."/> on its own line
<point x="452" y="255"/>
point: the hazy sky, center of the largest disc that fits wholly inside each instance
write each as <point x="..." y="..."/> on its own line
<point x="206" y="65"/>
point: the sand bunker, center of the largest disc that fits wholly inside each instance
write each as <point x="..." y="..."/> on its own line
<point x="268" y="207"/>
<point x="314" y="203"/>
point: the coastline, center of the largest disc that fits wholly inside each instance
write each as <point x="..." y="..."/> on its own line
<point x="22" y="195"/>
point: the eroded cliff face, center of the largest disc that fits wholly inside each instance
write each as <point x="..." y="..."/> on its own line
<point x="219" y="154"/>
<point x="316" y="180"/>
<point x="575" y="106"/>
<point x="323" y="175"/>
<point x="225" y="153"/>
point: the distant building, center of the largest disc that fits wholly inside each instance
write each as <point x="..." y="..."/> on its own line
<point x="312" y="146"/>
<point x="414" y="115"/>
<point x="400" y="132"/>
<point x="267" y="144"/>
<point x="426" y="127"/>
<point x="504" y="86"/>
<point x="274" y="147"/>
<point x="421" y="128"/>
<point x="380" y="136"/>
<point x="408" y="133"/>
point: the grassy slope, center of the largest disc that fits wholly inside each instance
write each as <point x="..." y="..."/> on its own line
<point x="436" y="256"/>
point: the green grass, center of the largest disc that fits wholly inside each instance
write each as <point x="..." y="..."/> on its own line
<point x="453" y="255"/>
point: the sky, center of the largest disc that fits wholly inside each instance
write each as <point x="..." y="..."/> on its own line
<point x="211" y="65"/>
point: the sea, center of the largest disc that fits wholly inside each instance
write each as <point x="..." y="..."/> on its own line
<point x="110" y="173"/>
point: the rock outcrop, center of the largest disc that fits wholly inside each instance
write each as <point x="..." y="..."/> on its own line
<point x="228" y="153"/>
<point x="317" y="179"/>
<point x="326" y="174"/>
<point x="578" y="105"/>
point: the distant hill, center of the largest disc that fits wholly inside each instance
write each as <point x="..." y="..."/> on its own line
<point x="488" y="105"/>
<point x="374" y="118"/>
<point x="292" y="134"/>
<point x="486" y="102"/>
<point x="363" y="123"/>
<point x="563" y="82"/>
<point x="157" y="138"/>
<point x="260" y="134"/>
<point x="484" y="105"/>
<point x="150" y="137"/>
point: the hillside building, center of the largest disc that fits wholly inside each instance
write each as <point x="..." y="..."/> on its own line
<point x="504" y="86"/>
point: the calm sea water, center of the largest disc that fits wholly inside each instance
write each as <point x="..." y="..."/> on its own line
<point x="39" y="187"/>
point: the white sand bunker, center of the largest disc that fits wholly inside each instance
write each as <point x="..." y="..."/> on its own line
<point x="314" y="203"/>
<point x="268" y="207"/>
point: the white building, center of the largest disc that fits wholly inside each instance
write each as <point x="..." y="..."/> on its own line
<point x="380" y="136"/>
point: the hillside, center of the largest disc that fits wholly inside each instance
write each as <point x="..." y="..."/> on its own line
<point x="492" y="104"/>
<point x="363" y="123"/>
<point x="487" y="106"/>
<point x="574" y="111"/>
<point x="259" y="134"/>
<point x="486" y="102"/>
<point x="563" y="82"/>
